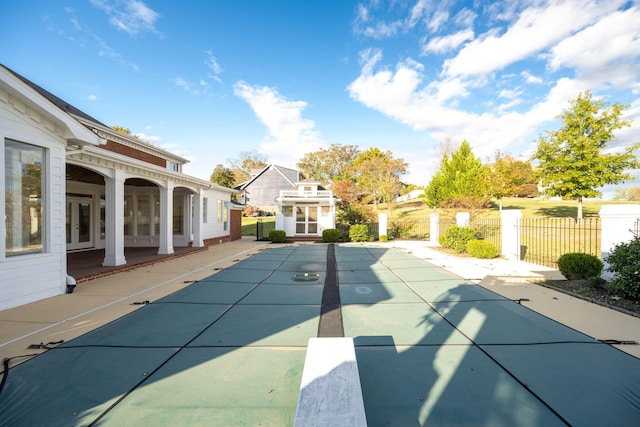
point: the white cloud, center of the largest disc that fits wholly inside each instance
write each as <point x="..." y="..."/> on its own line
<point x="447" y="43"/>
<point x="604" y="53"/>
<point x="290" y="135"/>
<point x="131" y="16"/>
<point x="536" y="28"/>
<point x="92" y="97"/>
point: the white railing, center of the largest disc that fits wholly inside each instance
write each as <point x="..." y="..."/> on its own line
<point x="296" y="193"/>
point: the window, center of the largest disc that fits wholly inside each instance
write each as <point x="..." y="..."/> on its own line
<point x="178" y="214"/>
<point x="219" y="211"/>
<point x="24" y="197"/>
<point x="128" y="215"/>
<point x="205" y="202"/>
<point x="225" y="216"/>
<point x="144" y="215"/>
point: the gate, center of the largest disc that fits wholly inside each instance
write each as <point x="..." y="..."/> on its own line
<point x="543" y="240"/>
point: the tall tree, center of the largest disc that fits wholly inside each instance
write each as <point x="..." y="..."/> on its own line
<point x="223" y="176"/>
<point x="510" y="177"/>
<point x="246" y="163"/>
<point x="328" y="164"/>
<point x="573" y="163"/>
<point x="460" y="182"/>
<point x="377" y="174"/>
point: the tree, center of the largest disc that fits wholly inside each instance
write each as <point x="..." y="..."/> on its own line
<point x="631" y="194"/>
<point x="377" y="174"/>
<point x="509" y="177"/>
<point x="460" y="182"/>
<point x="223" y="176"/>
<point x="573" y="163"/>
<point x="328" y="164"/>
<point x="246" y="163"/>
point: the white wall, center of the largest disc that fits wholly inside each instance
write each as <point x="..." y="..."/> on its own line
<point x="28" y="278"/>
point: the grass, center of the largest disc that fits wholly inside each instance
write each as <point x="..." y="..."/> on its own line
<point x="249" y="225"/>
<point x="529" y="208"/>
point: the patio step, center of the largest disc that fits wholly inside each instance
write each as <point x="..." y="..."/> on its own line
<point x="330" y="391"/>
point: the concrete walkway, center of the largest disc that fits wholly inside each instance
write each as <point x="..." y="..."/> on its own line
<point x="100" y="301"/>
<point x="97" y="302"/>
<point x="430" y="346"/>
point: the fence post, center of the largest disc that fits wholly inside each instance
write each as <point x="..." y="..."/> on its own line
<point x="434" y="229"/>
<point x="462" y="219"/>
<point x="382" y="224"/>
<point x="618" y="223"/>
<point x="510" y="219"/>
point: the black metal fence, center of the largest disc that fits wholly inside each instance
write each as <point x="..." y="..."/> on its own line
<point x="543" y="240"/>
<point x="489" y="229"/>
<point x="409" y="228"/>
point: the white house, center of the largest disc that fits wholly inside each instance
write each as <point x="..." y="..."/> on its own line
<point x="305" y="210"/>
<point x="71" y="183"/>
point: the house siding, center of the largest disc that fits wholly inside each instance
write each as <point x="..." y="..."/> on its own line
<point x="20" y="282"/>
<point x="263" y="191"/>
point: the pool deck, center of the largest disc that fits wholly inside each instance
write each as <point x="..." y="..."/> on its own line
<point x="262" y="324"/>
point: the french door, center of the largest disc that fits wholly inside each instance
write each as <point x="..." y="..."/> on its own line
<point x="79" y="224"/>
<point x="306" y="220"/>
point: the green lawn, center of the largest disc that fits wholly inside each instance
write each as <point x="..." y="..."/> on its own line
<point x="529" y="208"/>
<point x="249" y="225"/>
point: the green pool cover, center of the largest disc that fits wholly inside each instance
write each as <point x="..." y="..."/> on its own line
<point x="432" y="349"/>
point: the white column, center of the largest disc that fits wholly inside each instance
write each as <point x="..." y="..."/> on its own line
<point x="510" y="220"/>
<point x="198" y="226"/>
<point x="166" y="219"/>
<point x="382" y="224"/>
<point x="462" y="219"/>
<point x="618" y="224"/>
<point x="114" y="220"/>
<point x="434" y="229"/>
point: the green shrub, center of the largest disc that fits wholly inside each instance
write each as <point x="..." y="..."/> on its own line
<point x="457" y="238"/>
<point x="277" y="236"/>
<point x="624" y="262"/>
<point x="360" y="233"/>
<point x="575" y="266"/>
<point x="482" y="249"/>
<point x="384" y="238"/>
<point x="330" y="235"/>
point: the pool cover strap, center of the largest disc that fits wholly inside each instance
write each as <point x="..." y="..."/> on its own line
<point x="330" y="324"/>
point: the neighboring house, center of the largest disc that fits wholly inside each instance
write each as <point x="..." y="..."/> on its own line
<point x="412" y="195"/>
<point x="305" y="210"/>
<point x="72" y="183"/>
<point x="264" y="187"/>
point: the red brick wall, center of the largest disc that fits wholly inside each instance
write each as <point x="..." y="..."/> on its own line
<point x="134" y="154"/>
<point x="236" y="224"/>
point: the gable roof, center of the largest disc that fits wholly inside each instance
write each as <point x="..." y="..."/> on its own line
<point x="280" y="169"/>
<point x="26" y="92"/>
<point x="58" y="102"/>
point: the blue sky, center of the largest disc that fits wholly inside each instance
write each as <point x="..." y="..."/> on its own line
<point x="210" y="79"/>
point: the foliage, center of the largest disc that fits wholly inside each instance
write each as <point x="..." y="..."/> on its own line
<point x="482" y="249"/>
<point x="346" y="191"/>
<point x="624" y="262"/>
<point x="573" y="161"/>
<point x="631" y="194"/>
<point x="509" y="177"/>
<point x="277" y="236"/>
<point x="251" y="211"/>
<point x="384" y="238"/>
<point x="457" y="238"/>
<point x="328" y="164"/>
<point x="377" y="174"/>
<point x="122" y="129"/>
<point x="460" y="181"/>
<point x="355" y="213"/>
<point x="223" y="176"/>
<point x="575" y="266"/>
<point x="246" y="163"/>
<point x="330" y="235"/>
<point x="360" y="233"/>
